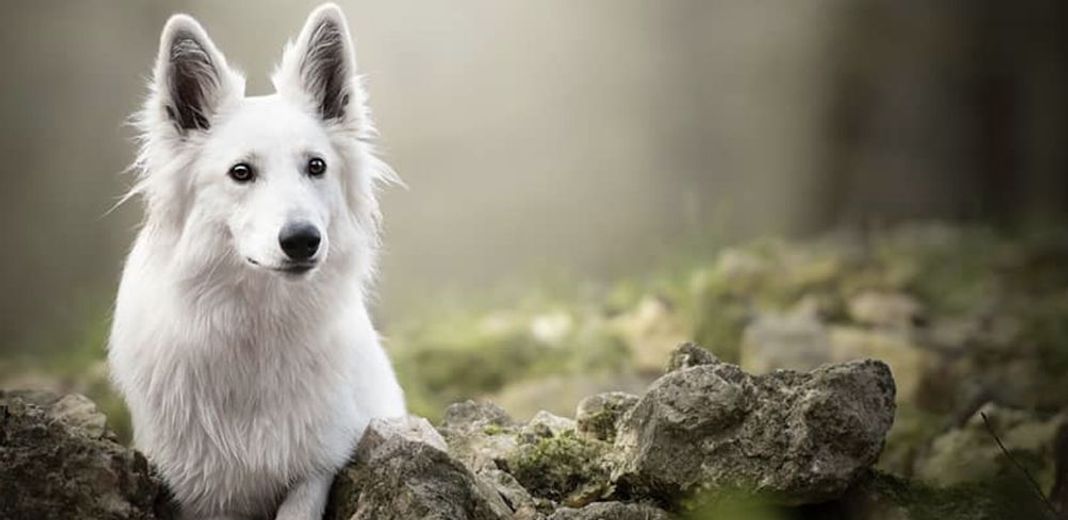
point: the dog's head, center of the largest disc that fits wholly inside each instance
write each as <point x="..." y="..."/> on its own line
<point x="279" y="184"/>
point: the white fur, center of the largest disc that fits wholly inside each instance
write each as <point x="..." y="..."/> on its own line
<point x="249" y="387"/>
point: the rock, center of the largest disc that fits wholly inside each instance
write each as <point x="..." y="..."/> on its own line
<point x="545" y="424"/>
<point x="481" y="435"/>
<point x="556" y="464"/>
<point x="885" y="309"/>
<point x="409" y="429"/>
<point x="78" y="411"/>
<point x="598" y="416"/>
<point x="523" y="505"/>
<point x="75" y="410"/>
<point x="543" y="461"/>
<point x="565" y="468"/>
<point x="58" y="461"/>
<point x="971" y="454"/>
<point x="689" y="355"/>
<point x="471" y="414"/>
<point x="793" y="438"/>
<point x="610" y="511"/>
<point x="401" y="470"/>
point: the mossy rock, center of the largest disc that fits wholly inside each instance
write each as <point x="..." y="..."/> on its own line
<point x="565" y="468"/>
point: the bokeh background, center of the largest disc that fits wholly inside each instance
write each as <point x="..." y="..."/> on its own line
<point x="578" y="171"/>
<point x="560" y="139"/>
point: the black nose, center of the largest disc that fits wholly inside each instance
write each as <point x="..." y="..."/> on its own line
<point x="299" y="240"/>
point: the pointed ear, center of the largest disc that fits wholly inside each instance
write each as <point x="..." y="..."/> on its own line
<point x="192" y="79"/>
<point x="320" y="66"/>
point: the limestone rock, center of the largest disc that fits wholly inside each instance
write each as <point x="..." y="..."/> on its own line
<point x="470" y="414"/>
<point x="78" y="411"/>
<point x="401" y="470"/>
<point x="689" y="355"/>
<point x="598" y="415"/>
<point x="545" y="424"/>
<point x="75" y="410"/>
<point x="791" y="437"/>
<point x="523" y="505"/>
<point x="481" y="435"/>
<point x="58" y="461"/>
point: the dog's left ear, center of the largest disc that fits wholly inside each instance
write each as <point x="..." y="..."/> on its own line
<point x="319" y="68"/>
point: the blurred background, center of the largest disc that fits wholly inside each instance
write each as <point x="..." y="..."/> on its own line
<point x="562" y="139"/>
<point x="580" y="176"/>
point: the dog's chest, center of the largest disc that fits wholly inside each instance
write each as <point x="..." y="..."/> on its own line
<point x="254" y="409"/>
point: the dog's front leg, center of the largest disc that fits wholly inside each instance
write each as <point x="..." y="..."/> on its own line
<point x="306" y="500"/>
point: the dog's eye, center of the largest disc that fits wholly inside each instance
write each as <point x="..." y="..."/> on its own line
<point x="241" y="172"/>
<point x="316" y="167"/>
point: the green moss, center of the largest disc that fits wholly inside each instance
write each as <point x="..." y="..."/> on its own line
<point x="602" y="424"/>
<point x="493" y="429"/>
<point x="565" y="467"/>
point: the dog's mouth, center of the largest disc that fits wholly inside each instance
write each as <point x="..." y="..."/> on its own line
<point x="288" y="267"/>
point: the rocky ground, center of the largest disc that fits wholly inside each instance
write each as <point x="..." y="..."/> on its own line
<point x="972" y="325"/>
<point x="705" y="440"/>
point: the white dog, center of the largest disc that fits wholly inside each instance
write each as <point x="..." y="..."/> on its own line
<point x="241" y="338"/>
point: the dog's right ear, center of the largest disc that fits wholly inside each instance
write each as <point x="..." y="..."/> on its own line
<point x="191" y="80"/>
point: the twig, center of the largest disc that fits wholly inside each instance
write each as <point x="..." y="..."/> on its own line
<point x="1034" y="484"/>
<point x="1059" y="494"/>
